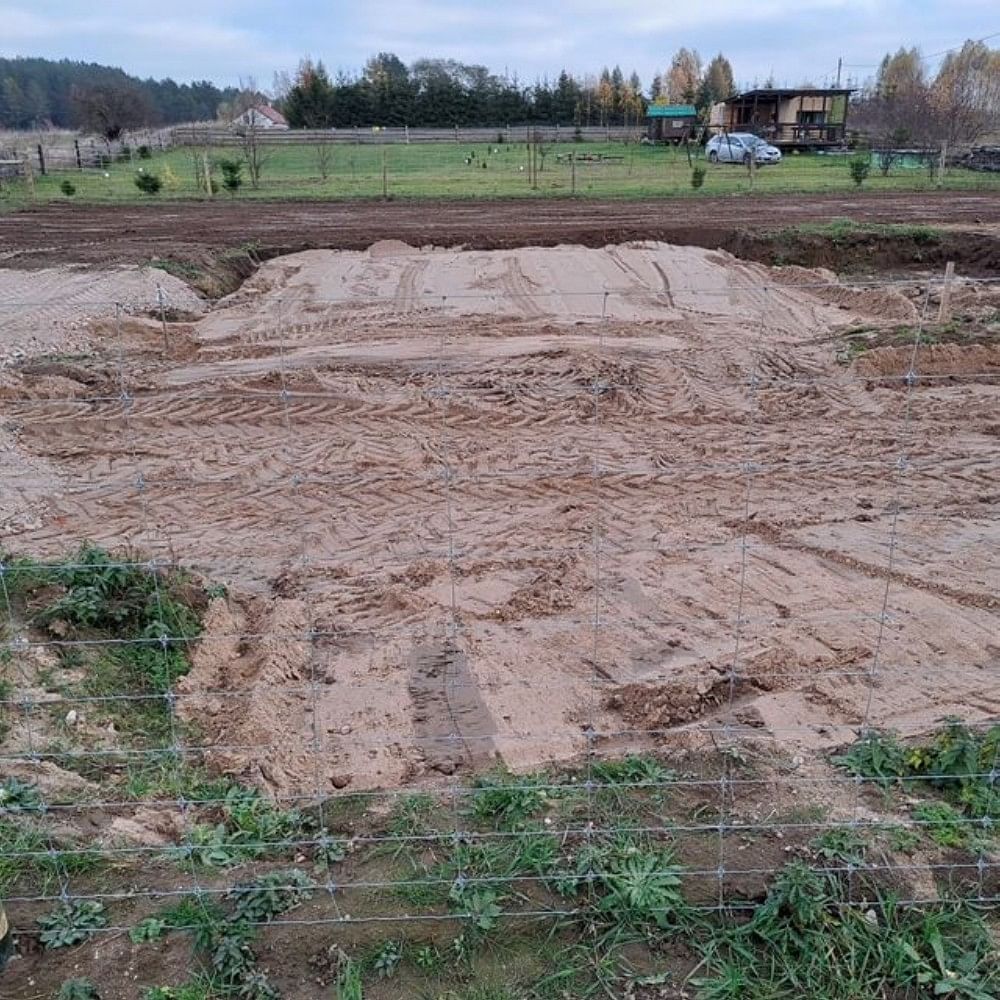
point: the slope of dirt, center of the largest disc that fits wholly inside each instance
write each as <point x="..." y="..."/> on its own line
<point x="184" y="231"/>
<point x="514" y="502"/>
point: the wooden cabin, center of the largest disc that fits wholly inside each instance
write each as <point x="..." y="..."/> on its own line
<point x="804" y="118"/>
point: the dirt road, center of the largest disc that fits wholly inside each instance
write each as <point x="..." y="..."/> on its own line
<point x="61" y="234"/>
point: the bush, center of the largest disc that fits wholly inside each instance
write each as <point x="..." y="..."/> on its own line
<point x="68" y="188"/>
<point x="145" y="153"/>
<point x="232" y="175"/>
<point x="148" y="183"/>
<point x="860" y="165"/>
<point x="697" y="176"/>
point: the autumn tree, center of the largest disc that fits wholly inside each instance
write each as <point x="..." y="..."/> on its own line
<point x="605" y="96"/>
<point x="684" y="77"/>
<point x="965" y="94"/>
<point x="900" y="74"/>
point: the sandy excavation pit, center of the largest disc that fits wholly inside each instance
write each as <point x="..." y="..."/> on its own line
<point x="422" y="473"/>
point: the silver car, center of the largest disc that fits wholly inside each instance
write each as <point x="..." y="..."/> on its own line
<point x="739" y="147"/>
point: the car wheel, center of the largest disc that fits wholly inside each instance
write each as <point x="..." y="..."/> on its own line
<point x="713" y="157"/>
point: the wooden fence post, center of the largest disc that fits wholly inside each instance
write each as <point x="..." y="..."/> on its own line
<point x="79" y="159"/>
<point x="944" y="311"/>
<point x="41" y="160"/>
<point x="29" y="178"/>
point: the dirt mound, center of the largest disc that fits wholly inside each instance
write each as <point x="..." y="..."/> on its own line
<point x="931" y="360"/>
<point x="705" y="688"/>
<point x="484" y="503"/>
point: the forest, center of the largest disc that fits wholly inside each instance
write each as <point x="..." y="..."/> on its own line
<point x="41" y="93"/>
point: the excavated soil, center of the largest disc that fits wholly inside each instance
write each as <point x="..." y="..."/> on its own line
<point x="472" y="504"/>
<point x="58" y="234"/>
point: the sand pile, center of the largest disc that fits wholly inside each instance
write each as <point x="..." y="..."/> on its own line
<point x="425" y="474"/>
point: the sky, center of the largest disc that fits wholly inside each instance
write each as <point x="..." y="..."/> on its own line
<point x="793" y="41"/>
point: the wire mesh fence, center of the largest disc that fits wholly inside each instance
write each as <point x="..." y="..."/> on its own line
<point x="382" y="169"/>
<point x="407" y="630"/>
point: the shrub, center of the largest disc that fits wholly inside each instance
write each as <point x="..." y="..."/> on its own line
<point x="232" y="171"/>
<point x="148" y="183"/>
<point x="697" y="176"/>
<point x="860" y="166"/>
<point x="68" y="188"/>
<point x="145" y="153"/>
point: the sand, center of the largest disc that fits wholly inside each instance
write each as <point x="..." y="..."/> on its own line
<point x="422" y="473"/>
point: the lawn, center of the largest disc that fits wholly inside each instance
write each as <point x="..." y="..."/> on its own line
<point x="463" y="170"/>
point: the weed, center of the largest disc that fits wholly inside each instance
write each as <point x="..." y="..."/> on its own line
<point x="877" y="757"/>
<point x="196" y="914"/>
<point x="150" y="929"/>
<point x="387" y="959"/>
<point x="348" y="983"/>
<point x="806" y="940"/>
<point x="18" y="796"/>
<point x="427" y="958"/>
<point x="78" y="989"/>
<point x="840" y="844"/>
<point x="958" y="762"/>
<point x="188" y="991"/>
<point x="273" y="894"/>
<point x="252" y="827"/>
<point x="29" y="851"/>
<point x="71" y="923"/>
<point x="942" y="822"/>
<point x="634" y="769"/>
<point x="508" y="800"/>
<point x="480" y="906"/>
<point x="903" y="839"/>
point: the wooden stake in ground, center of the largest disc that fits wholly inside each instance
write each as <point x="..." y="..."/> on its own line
<point x="29" y="178"/>
<point x="944" y="311"/>
<point x="207" y="173"/>
<point x="160" y="298"/>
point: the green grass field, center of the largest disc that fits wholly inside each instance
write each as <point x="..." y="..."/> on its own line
<point x="441" y="170"/>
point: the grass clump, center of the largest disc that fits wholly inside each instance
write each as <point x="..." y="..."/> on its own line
<point x="807" y="940"/>
<point x="137" y="620"/>
<point x="507" y="800"/>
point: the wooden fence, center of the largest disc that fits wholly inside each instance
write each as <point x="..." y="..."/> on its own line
<point x="374" y="135"/>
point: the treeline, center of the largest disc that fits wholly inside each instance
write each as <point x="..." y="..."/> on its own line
<point x="41" y="93"/>
<point x="906" y="106"/>
<point x="444" y="93"/>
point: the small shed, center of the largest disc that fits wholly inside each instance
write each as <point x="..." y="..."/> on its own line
<point x="671" y="122"/>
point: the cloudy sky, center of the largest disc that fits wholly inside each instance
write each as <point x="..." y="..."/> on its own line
<point x="224" y="40"/>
